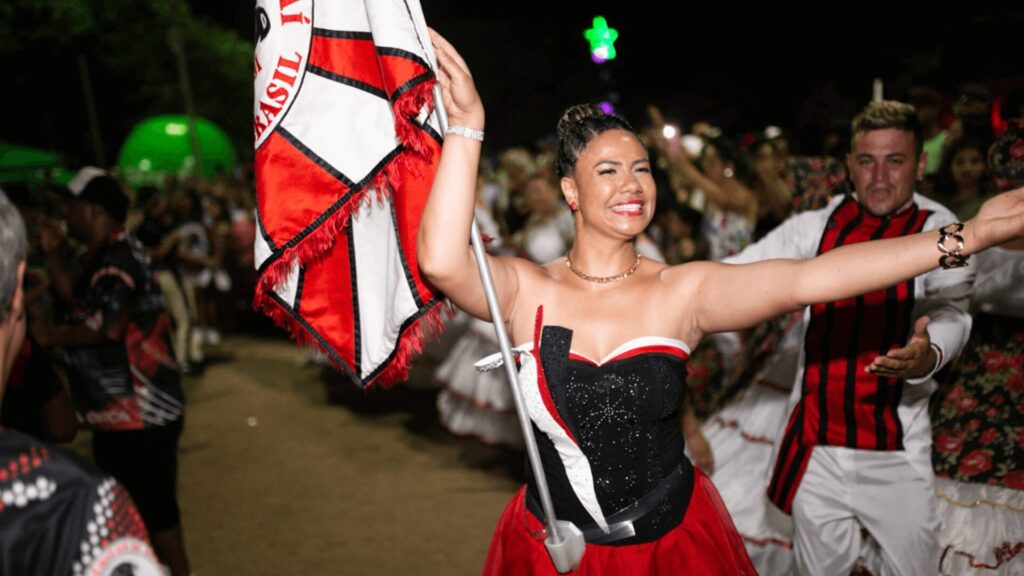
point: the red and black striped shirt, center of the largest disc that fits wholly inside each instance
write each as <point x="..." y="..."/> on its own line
<point x="842" y="404"/>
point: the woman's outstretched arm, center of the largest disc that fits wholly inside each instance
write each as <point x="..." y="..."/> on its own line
<point x="731" y="297"/>
<point x="443" y="249"/>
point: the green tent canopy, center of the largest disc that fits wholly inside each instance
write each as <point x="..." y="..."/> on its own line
<point x="23" y="164"/>
<point x="159" y="146"/>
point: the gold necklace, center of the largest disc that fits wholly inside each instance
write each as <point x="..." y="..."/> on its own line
<point x="604" y="279"/>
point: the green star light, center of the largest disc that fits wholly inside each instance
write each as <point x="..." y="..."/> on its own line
<point x="602" y="39"/>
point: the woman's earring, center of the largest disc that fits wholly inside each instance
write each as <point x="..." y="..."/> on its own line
<point x="572" y="205"/>
<point x="728" y="172"/>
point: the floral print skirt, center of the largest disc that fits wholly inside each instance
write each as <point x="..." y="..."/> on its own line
<point x="978" y="413"/>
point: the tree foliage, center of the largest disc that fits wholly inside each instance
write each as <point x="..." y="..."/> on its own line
<point x="125" y="49"/>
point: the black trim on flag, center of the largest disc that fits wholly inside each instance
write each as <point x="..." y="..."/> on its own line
<point x="263" y="233"/>
<point x="312" y="332"/>
<point x="399" y="53"/>
<point x="298" y="289"/>
<point x="342" y="34"/>
<point x="405" y="326"/>
<point x="357" y="346"/>
<point x="401" y="255"/>
<point x="415" y="29"/>
<point x="353" y="189"/>
<point x="426" y="127"/>
<point x="426" y="76"/>
<point x="317" y="159"/>
<point x="380" y="166"/>
<point x="359" y="85"/>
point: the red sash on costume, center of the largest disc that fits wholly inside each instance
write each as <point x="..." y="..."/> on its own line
<point x="841" y="404"/>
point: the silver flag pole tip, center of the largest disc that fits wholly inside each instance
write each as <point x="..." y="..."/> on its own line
<point x="567" y="552"/>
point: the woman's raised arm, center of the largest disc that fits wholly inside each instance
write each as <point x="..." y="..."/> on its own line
<point x="443" y="250"/>
<point x="731" y="297"/>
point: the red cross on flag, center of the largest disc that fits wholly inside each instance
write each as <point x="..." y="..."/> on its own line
<point x="346" y="149"/>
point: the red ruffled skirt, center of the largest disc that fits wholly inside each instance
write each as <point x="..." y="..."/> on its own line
<point x="704" y="543"/>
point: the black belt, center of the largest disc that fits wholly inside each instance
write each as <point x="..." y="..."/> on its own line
<point x="620" y="524"/>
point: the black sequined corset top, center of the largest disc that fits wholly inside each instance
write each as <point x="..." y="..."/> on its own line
<point x="625" y="415"/>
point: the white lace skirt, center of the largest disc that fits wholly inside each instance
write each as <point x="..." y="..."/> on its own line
<point x="982" y="529"/>
<point x="473" y="403"/>
<point x="742" y="436"/>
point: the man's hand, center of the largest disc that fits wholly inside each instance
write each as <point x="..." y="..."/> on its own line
<point x="915" y="360"/>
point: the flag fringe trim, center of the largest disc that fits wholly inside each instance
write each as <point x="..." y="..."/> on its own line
<point x="411" y="339"/>
<point x="413" y="142"/>
<point x="416" y="101"/>
<point x="322" y="238"/>
<point x="415" y="153"/>
<point x="284" y="318"/>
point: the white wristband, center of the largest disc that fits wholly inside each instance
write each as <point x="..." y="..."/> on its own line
<point x="466" y="132"/>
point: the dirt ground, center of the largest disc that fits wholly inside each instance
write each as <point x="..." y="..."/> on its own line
<point x="286" y="470"/>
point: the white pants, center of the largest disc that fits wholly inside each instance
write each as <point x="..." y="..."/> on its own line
<point x="177" y="307"/>
<point x="889" y="494"/>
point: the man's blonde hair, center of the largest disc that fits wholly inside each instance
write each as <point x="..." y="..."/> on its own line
<point x="890" y="114"/>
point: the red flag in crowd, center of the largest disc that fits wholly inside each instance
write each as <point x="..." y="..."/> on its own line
<point x="346" y="149"/>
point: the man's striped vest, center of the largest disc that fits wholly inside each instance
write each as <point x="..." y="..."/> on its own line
<point x="841" y="404"/>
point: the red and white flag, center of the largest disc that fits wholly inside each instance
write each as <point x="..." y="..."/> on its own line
<point x="346" y="150"/>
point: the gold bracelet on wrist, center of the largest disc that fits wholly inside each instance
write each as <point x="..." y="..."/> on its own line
<point x="952" y="257"/>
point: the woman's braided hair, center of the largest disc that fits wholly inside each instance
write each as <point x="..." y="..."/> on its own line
<point x="578" y="126"/>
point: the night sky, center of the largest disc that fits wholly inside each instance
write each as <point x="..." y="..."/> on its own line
<point x="739" y="68"/>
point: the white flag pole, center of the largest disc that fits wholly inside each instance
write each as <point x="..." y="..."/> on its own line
<point x="565" y="541"/>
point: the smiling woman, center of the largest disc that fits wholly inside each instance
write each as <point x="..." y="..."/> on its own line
<point x="602" y="155"/>
<point x="610" y="432"/>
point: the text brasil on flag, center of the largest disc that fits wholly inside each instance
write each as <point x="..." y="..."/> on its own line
<point x="346" y="149"/>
